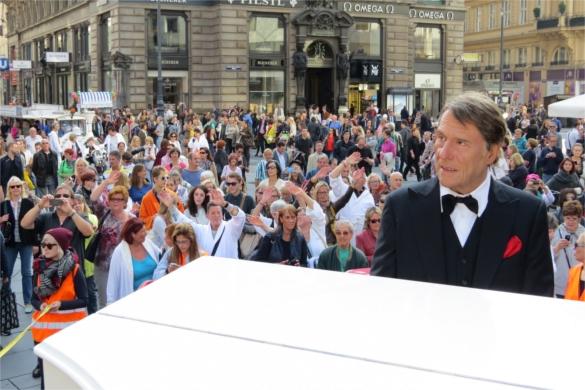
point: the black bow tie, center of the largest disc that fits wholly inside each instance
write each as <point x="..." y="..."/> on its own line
<point x="449" y="202"/>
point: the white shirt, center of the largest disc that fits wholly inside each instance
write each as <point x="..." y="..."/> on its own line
<point x="111" y="143"/>
<point x="198" y="143"/>
<point x="54" y="143"/>
<point x="31" y="141"/>
<point x="463" y="218"/>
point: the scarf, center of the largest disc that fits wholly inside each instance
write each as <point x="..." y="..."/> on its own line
<point x="52" y="273"/>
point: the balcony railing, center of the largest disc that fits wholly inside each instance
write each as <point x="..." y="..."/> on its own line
<point x="523" y="65"/>
<point x="475" y="68"/>
<point x="577" y="21"/>
<point x="547" y="23"/>
<point x="537" y="64"/>
<point x="490" y="67"/>
<point x="564" y="62"/>
<point x="506" y="66"/>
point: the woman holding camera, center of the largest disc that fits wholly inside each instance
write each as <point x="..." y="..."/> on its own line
<point x="18" y="240"/>
<point x="286" y="245"/>
<point x="183" y="251"/>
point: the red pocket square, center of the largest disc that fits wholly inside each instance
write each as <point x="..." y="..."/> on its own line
<point x="514" y="246"/>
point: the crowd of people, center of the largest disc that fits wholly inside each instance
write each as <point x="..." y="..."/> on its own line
<point x="173" y="187"/>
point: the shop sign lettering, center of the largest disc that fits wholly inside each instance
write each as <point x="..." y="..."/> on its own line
<point x="431" y="14"/>
<point x="368" y="8"/>
<point x="267" y="3"/>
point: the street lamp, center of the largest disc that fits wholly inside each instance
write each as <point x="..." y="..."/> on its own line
<point x="500" y="99"/>
<point x="159" y="80"/>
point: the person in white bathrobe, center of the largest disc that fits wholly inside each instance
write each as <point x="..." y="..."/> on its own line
<point x="361" y="199"/>
<point x="218" y="237"/>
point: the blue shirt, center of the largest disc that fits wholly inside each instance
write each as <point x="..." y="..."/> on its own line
<point x="143" y="270"/>
<point x="136" y="194"/>
<point x="192" y="177"/>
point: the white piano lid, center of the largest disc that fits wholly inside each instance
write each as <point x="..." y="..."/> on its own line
<point x="230" y="323"/>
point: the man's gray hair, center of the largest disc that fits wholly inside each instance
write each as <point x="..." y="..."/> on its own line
<point x="344" y="222"/>
<point x="277" y="205"/>
<point x="479" y="110"/>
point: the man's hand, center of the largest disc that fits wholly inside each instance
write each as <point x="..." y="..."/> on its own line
<point x="266" y="196"/>
<point x="4" y="218"/>
<point x="45" y="201"/>
<point x="216" y="197"/>
<point x="323" y="172"/>
<point x="113" y="178"/>
<point x="292" y="188"/>
<point x="353" y="158"/>
<point x="66" y="207"/>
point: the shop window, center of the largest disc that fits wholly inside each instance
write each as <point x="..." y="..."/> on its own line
<point x="81" y="43"/>
<point x="266" y="35"/>
<point x="428" y="43"/>
<point x="266" y="90"/>
<point x="106" y="35"/>
<point x="173" y="33"/>
<point x="561" y="56"/>
<point x="365" y="39"/>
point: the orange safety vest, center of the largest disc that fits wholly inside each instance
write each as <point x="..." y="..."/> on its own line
<point x="54" y="321"/>
<point x="572" y="291"/>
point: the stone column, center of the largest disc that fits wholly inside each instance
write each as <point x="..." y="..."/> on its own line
<point x="120" y="78"/>
<point x="342" y="64"/>
<point x="300" y="68"/>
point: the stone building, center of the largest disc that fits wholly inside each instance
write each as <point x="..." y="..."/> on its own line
<point x="544" y="53"/>
<point x="264" y="54"/>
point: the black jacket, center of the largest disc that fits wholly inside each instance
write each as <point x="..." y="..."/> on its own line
<point x="510" y="213"/>
<point x="10" y="167"/>
<point x="41" y="161"/>
<point x="27" y="236"/>
<point x="271" y="248"/>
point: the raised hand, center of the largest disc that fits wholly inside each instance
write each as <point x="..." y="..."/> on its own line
<point x="215" y="196"/>
<point x="255" y="220"/>
<point x="323" y="172"/>
<point x="113" y="178"/>
<point x="267" y="196"/>
<point x="292" y="188"/>
<point x="354" y="158"/>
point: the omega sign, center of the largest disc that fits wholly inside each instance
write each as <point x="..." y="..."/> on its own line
<point x="430" y="14"/>
<point x="368" y="8"/>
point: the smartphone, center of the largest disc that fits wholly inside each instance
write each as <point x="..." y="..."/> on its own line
<point x="56" y="202"/>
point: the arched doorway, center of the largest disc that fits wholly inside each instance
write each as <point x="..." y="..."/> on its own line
<point x="319" y="87"/>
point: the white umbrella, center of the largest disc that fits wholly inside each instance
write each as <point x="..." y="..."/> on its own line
<point x="569" y="108"/>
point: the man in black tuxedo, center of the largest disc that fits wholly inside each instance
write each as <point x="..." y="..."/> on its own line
<point x="463" y="228"/>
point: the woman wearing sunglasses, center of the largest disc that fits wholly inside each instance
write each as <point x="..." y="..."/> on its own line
<point x="60" y="284"/>
<point x="18" y="240"/>
<point x="150" y="202"/>
<point x="343" y="256"/>
<point x="366" y="240"/>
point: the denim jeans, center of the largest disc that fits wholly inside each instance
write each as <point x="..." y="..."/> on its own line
<point x="92" y="297"/>
<point x="25" y="252"/>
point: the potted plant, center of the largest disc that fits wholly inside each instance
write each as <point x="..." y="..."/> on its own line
<point x="536" y="12"/>
<point x="562" y="8"/>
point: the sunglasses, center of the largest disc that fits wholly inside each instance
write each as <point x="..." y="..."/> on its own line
<point x="231" y="183"/>
<point x="116" y="199"/>
<point x="338" y="233"/>
<point x="16" y="186"/>
<point x="271" y="167"/>
<point x="374" y="221"/>
<point x="57" y="196"/>
<point x="47" y="245"/>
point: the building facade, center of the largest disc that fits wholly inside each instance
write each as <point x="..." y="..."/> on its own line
<point x="264" y="54"/>
<point x="543" y="50"/>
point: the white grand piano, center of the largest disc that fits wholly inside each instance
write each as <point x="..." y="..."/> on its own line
<point x="228" y="324"/>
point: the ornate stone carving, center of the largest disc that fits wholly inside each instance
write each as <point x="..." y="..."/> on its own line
<point x="342" y="65"/>
<point x="120" y="60"/>
<point x="319" y="4"/>
<point x="300" y="63"/>
<point x="324" y="21"/>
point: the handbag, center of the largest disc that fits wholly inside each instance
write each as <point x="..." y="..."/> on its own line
<point x="6" y="227"/>
<point x="8" y="311"/>
<point x="92" y="247"/>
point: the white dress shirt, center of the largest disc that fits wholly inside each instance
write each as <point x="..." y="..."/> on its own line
<point x="463" y="218"/>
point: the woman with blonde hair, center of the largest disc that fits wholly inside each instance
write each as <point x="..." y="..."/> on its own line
<point x="137" y="150"/>
<point x="149" y="153"/>
<point x="184" y="250"/>
<point x="366" y="240"/>
<point x="518" y="171"/>
<point x="18" y="240"/>
<point x="160" y="222"/>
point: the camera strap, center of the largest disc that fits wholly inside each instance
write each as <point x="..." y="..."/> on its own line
<point x="565" y="251"/>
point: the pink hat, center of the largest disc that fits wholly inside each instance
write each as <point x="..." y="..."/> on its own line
<point x="532" y="176"/>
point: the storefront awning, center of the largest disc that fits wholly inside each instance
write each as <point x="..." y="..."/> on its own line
<point x="95" y="100"/>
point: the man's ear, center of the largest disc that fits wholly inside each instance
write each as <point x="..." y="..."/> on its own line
<point x="494" y="153"/>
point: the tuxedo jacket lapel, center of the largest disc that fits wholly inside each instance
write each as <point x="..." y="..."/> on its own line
<point x="494" y="235"/>
<point x="427" y="226"/>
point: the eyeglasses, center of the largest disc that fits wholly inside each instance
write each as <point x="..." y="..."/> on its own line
<point x="374" y="221"/>
<point x="16" y="186"/>
<point x="271" y="167"/>
<point x="57" y="196"/>
<point x="116" y="199"/>
<point x="338" y="233"/>
<point x="47" y="245"/>
<point x="231" y="183"/>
